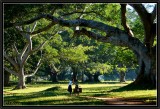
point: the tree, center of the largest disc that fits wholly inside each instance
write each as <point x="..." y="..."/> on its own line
<point x="145" y="52"/>
<point x="21" y="57"/>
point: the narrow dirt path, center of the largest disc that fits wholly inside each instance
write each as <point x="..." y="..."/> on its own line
<point x="122" y="101"/>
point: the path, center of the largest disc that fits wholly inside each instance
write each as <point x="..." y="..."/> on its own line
<point x="122" y="101"/>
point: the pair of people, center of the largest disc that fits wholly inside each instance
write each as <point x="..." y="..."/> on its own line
<point x="70" y="86"/>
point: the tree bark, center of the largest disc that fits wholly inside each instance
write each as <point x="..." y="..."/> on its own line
<point x="54" y="77"/>
<point x="122" y="76"/>
<point x="6" y="78"/>
<point x="74" y="74"/>
<point x="21" y="79"/>
<point x="96" y="77"/>
<point x="82" y="76"/>
<point x="90" y="77"/>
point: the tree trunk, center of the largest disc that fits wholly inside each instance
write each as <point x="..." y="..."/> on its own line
<point x="122" y="76"/>
<point x="82" y="76"/>
<point x="96" y="77"/>
<point x="147" y="71"/>
<point x="74" y="74"/>
<point x="21" y="80"/>
<point x="90" y="77"/>
<point x="6" y="78"/>
<point x="54" y="76"/>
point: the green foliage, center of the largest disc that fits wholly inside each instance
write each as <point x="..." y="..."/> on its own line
<point x="99" y="67"/>
<point x="121" y="69"/>
<point x="75" y="54"/>
<point x="64" y="49"/>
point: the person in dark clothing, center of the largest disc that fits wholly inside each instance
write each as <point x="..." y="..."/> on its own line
<point x="70" y="86"/>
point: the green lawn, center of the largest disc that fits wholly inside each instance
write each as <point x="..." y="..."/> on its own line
<point x="56" y="94"/>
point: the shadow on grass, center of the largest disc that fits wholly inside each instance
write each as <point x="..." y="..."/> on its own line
<point x="132" y="87"/>
<point x="53" y="91"/>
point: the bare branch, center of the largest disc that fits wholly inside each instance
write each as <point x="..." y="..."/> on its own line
<point x="153" y="14"/>
<point x="124" y="21"/>
<point x="34" y="26"/>
<point x="10" y="71"/>
<point x="25" y="57"/>
<point x="43" y="43"/>
<point x="11" y="61"/>
<point x="27" y="53"/>
<point x="24" y="50"/>
<point x="39" y="47"/>
<point x="15" y="49"/>
<point x="38" y="31"/>
<point x="37" y="67"/>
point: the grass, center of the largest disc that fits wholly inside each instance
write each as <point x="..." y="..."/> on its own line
<point x="56" y="94"/>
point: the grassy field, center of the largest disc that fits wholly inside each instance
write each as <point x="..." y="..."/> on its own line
<point x="47" y="93"/>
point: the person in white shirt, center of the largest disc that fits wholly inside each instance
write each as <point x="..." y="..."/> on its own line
<point x="70" y="86"/>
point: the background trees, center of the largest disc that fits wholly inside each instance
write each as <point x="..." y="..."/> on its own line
<point x="135" y="38"/>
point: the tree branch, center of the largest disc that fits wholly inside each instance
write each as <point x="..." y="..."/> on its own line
<point x="146" y="20"/>
<point x="153" y="14"/>
<point x="24" y="50"/>
<point x="121" y="39"/>
<point x="34" y="26"/>
<point x="141" y="10"/>
<point x="37" y="67"/>
<point x="10" y="71"/>
<point x="43" y="29"/>
<point x="11" y="61"/>
<point x="42" y="44"/>
<point x="124" y="21"/>
<point x="71" y="23"/>
<point x="15" y="49"/>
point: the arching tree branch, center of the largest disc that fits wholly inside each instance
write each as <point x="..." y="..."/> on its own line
<point x="69" y="23"/>
<point x="154" y="13"/>
<point x="124" y="21"/>
<point x="147" y="23"/>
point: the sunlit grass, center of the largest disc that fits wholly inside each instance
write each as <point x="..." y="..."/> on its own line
<point x="56" y="94"/>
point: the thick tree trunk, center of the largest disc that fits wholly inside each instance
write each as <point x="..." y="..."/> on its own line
<point x="122" y="76"/>
<point x="21" y="80"/>
<point x="6" y="78"/>
<point x="147" y="74"/>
